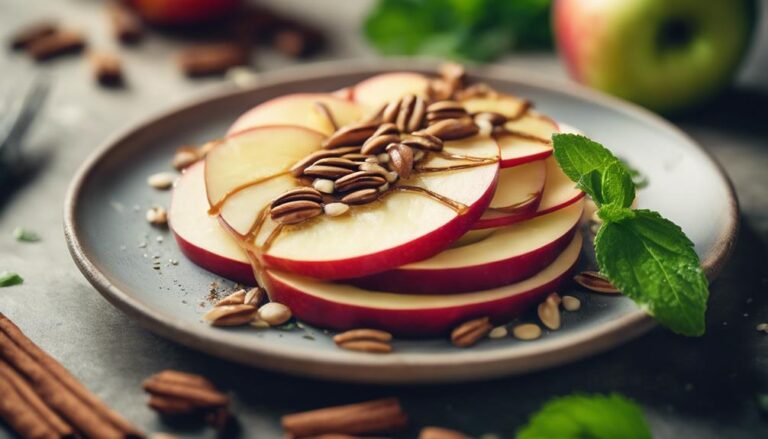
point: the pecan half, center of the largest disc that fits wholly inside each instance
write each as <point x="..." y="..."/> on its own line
<point x="401" y="159"/>
<point x="595" y="281"/>
<point x="365" y="340"/>
<point x="442" y="110"/>
<point x="294" y="212"/>
<point x="299" y="194"/>
<point x="361" y="197"/>
<point x="549" y="311"/>
<point x="330" y="172"/>
<point x="174" y="393"/>
<point x="377" y="144"/>
<point x="407" y="113"/>
<point x="468" y="333"/>
<point x="452" y="129"/>
<point x="422" y="140"/>
<point x="298" y="168"/>
<point x="230" y="315"/>
<point x="350" y="135"/>
<point x="359" y="180"/>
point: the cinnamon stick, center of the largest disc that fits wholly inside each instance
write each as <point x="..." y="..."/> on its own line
<point x="52" y="379"/>
<point x="20" y="416"/>
<point x="59" y="43"/>
<point x="381" y="415"/>
<point x="36" y="405"/>
<point x="200" y="397"/>
<point x="31" y="33"/>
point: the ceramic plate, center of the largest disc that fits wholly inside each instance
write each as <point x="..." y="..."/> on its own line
<point x="116" y="249"/>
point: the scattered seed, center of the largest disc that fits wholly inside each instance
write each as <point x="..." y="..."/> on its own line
<point x="384" y="187"/>
<point x="335" y="209"/>
<point x="323" y="185"/>
<point x="549" y="312"/>
<point x="527" y="331"/>
<point x="498" y="332"/>
<point x="230" y="315"/>
<point x="468" y="333"/>
<point x="254" y="296"/>
<point x="161" y="180"/>
<point x="157" y="216"/>
<point x="595" y="281"/>
<point x="361" y="197"/>
<point x="392" y="177"/>
<point x="274" y="313"/>
<point x="236" y="298"/>
<point x="362" y="334"/>
<point x="383" y="157"/>
<point x="571" y="303"/>
<point x="369" y="346"/>
<point x="185" y="157"/>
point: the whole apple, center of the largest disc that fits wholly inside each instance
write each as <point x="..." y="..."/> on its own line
<point x="183" y="12"/>
<point x="666" y="55"/>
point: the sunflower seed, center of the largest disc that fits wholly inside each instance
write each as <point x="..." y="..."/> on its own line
<point x="332" y="172"/>
<point x="392" y="177"/>
<point x="339" y="162"/>
<point x="161" y="180"/>
<point x="423" y="140"/>
<point x="498" y="332"/>
<point x="274" y="313"/>
<point x="383" y="157"/>
<point x="356" y="157"/>
<point x="184" y="157"/>
<point x="401" y="159"/>
<point x="571" y="303"/>
<point x="323" y="185"/>
<point x="361" y="197"/>
<point x="254" y="296"/>
<point x="384" y="187"/>
<point x="335" y="209"/>
<point x="451" y="129"/>
<point x="527" y="331"/>
<point x="236" y="298"/>
<point x="359" y="180"/>
<point x="549" y="312"/>
<point x="595" y="281"/>
<point x="298" y="168"/>
<point x="157" y="216"/>
<point x="377" y="144"/>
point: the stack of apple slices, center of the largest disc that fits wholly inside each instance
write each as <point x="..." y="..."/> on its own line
<point x="488" y="231"/>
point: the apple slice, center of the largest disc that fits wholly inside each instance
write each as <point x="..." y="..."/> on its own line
<point x="199" y="235"/>
<point x="247" y="171"/>
<point x="300" y="109"/>
<point x="519" y="189"/>
<point x="526" y="139"/>
<point x="509" y="254"/>
<point x="342" y="307"/>
<point x="559" y="192"/>
<point x="376" y="91"/>
<point x="533" y="124"/>
<point x="510" y="106"/>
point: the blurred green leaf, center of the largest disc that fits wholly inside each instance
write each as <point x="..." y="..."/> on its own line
<point x="478" y="30"/>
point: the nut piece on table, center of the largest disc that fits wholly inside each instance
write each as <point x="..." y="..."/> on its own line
<point x="106" y="68"/>
<point x="25" y="36"/>
<point x="174" y="393"/>
<point x="59" y="43"/>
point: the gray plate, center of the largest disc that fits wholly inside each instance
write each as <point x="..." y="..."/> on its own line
<point x="106" y="233"/>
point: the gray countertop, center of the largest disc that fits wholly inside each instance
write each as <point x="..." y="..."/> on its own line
<point x="703" y="388"/>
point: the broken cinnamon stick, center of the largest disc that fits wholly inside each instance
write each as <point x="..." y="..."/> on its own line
<point x="33" y="32"/>
<point x="383" y="415"/>
<point x="57" y="44"/>
<point x="211" y="59"/>
<point x="106" y="69"/>
<point x="20" y="416"/>
<point x="36" y="405"/>
<point x="55" y="385"/>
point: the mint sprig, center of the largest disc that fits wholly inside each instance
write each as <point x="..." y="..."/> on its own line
<point x="644" y="255"/>
<point x="587" y="417"/>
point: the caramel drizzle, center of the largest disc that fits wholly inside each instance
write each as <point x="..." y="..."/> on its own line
<point x="253" y="232"/>
<point x="271" y="238"/>
<point x="476" y="161"/>
<point x="455" y="205"/>
<point x="216" y="207"/>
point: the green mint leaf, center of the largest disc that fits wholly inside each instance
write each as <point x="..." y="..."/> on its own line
<point x="8" y="279"/>
<point x="762" y="402"/>
<point x="24" y="235"/>
<point x="595" y="169"/>
<point x="587" y="417"/>
<point x="651" y="261"/>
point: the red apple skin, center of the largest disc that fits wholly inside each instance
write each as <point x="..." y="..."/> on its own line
<point x="523" y="160"/>
<point x="416" y="250"/>
<point x="471" y="278"/>
<point x="516" y="218"/>
<point x="184" y="12"/>
<point x="406" y="323"/>
<point x="231" y="269"/>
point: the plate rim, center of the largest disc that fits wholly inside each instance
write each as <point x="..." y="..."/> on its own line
<point x="397" y="368"/>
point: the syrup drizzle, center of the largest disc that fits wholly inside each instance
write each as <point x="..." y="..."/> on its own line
<point x="455" y="205"/>
<point x="216" y="207"/>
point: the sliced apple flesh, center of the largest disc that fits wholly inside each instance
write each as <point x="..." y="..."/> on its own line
<point x="508" y="254"/>
<point x="300" y="109"/>
<point x="510" y="106"/>
<point x="377" y="91"/>
<point x="520" y="188"/>
<point x="559" y="191"/>
<point x="341" y="307"/>
<point x="248" y="171"/>
<point x="199" y="235"/>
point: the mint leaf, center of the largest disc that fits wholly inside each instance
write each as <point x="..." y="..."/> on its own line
<point x="24" y="235"/>
<point x="8" y="279"/>
<point x="644" y="255"/>
<point x="587" y="417"/>
<point x="595" y="169"/>
<point x="651" y="261"/>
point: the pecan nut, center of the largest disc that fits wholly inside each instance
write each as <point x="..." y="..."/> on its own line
<point x="452" y="129"/>
<point x="596" y="282"/>
<point x="401" y="159"/>
<point x="174" y="393"/>
<point x="294" y="212"/>
<point x="422" y="140"/>
<point x="361" y="196"/>
<point x="468" y="333"/>
<point x="350" y="135"/>
<point x="359" y="180"/>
